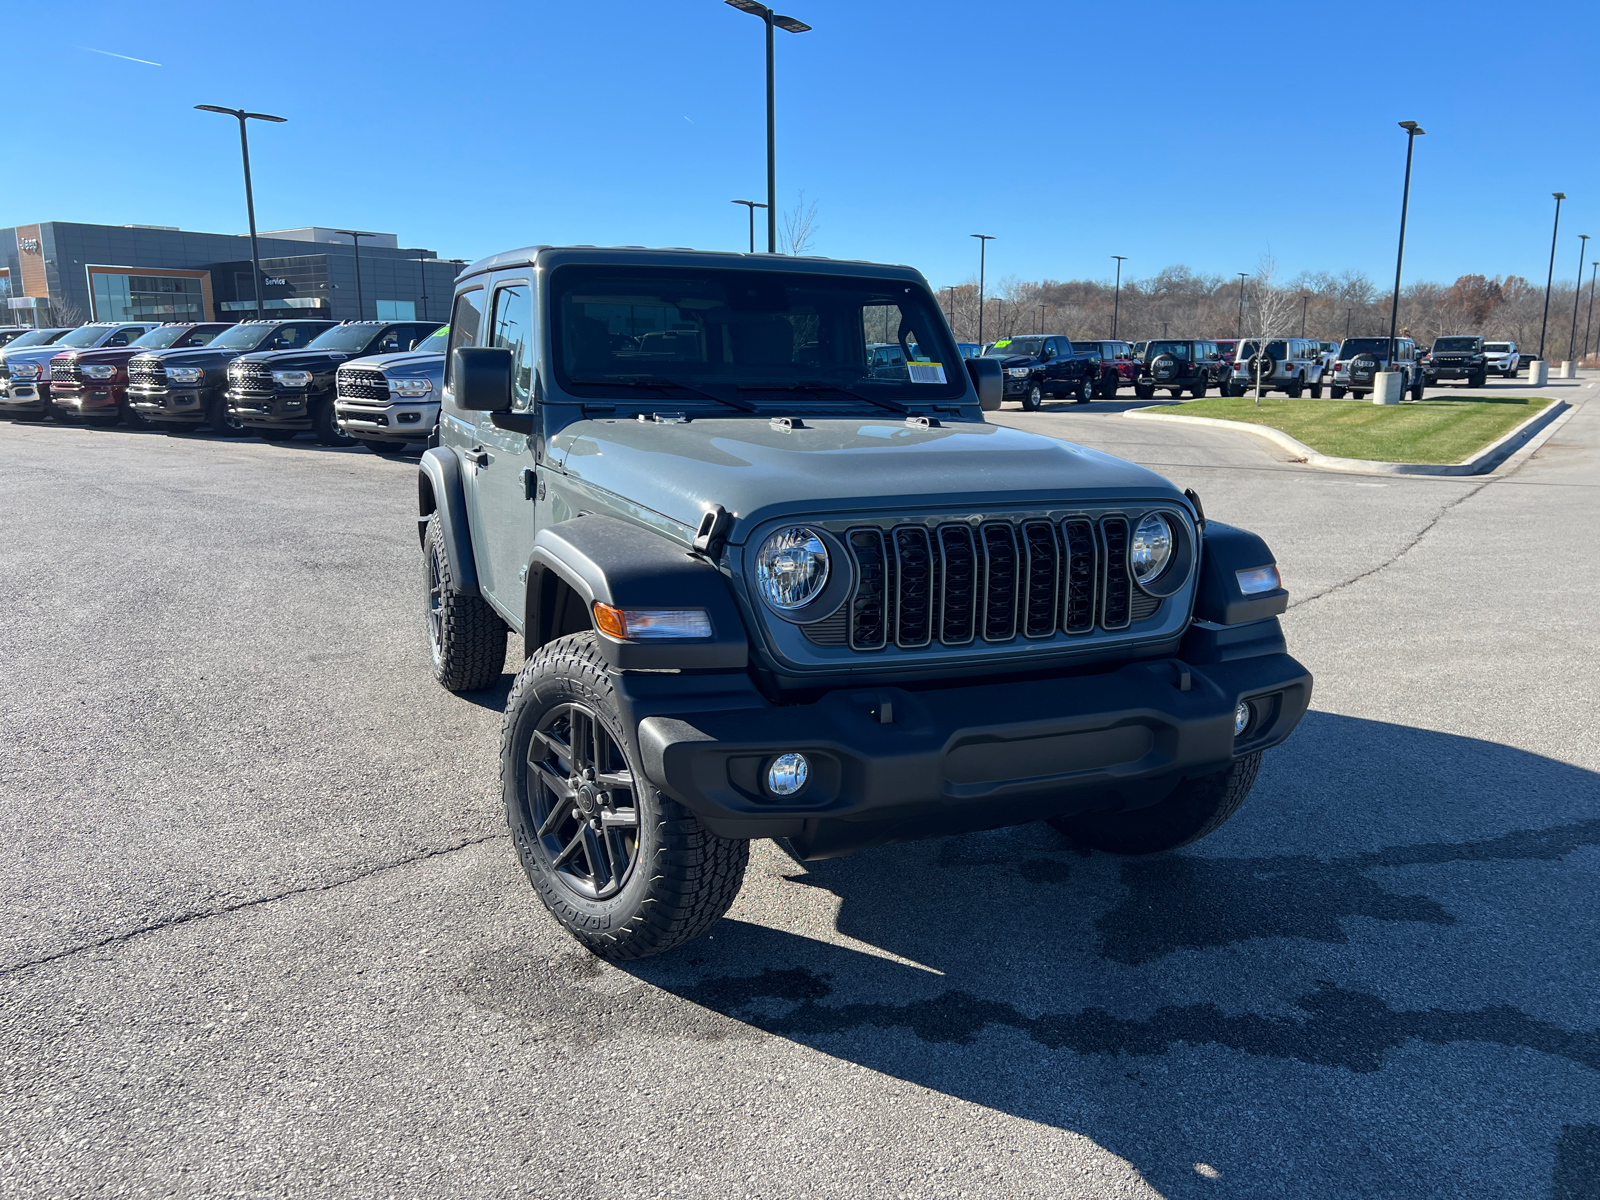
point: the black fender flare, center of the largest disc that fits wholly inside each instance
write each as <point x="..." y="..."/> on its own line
<point x="618" y="563"/>
<point x="1225" y="551"/>
<point x="440" y="493"/>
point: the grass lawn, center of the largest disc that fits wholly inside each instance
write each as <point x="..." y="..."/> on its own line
<point x="1425" y="431"/>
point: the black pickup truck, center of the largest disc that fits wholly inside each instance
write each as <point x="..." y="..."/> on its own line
<point x="1046" y="365"/>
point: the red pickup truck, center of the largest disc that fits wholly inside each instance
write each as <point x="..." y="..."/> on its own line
<point x="92" y="385"/>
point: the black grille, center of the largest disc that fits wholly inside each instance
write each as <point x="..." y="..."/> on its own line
<point x="995" y="581"/>
<point x="250" y="377"/>
<point x="65" y="370"/>
<point x="147" y="372"/>
<point x="362" y="384"/>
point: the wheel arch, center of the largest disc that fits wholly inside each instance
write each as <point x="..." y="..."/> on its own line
<point x="440" y="494"/>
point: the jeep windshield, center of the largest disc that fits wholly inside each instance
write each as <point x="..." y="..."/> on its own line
<point x="711" y="334"/>
<point x="1456" y="345"/>
<point x="1015" y="347"/>
<point x="243" y="337"/>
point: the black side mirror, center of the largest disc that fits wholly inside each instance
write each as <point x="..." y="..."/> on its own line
<point x="988" y="377"/>
<point x="480" y="378"/>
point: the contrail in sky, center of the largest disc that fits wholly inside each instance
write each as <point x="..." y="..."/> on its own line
<point x="125" y="57"/>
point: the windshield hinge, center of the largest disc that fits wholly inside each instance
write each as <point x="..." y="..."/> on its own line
<point x="713" y="531"/>
<point x="922" y="423"/>
<point x="786" y="424"/>
<point x="1193" y="497"/>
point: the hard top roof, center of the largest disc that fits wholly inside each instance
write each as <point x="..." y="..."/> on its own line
<point x="547" y="257"/>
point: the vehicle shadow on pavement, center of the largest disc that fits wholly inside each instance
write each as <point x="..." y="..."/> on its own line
<point x="1189" y="1009"/>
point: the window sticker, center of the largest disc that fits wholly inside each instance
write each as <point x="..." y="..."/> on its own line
<point x="926" y="372"/>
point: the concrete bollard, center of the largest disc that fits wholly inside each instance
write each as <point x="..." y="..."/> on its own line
<point x="1538" y="373"/>
<point x="1569" y="370"/>
<point x="1388" y="387"/>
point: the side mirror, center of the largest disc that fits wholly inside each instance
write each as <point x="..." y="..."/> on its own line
<point x="988" y="377"/>
<point x="480" y="378"/>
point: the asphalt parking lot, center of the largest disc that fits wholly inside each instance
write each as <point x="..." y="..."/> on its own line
<point x="264" y="934"/>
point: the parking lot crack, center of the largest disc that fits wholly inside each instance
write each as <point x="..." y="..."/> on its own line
<point x="187" y="918"/>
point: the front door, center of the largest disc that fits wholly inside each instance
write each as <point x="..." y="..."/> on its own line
<point x="506" y="480"/>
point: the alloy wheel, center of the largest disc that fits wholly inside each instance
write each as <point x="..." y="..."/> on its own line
<point x="582" y="802"/>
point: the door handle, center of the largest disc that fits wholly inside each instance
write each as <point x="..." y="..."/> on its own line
<point x="478" y="456"/>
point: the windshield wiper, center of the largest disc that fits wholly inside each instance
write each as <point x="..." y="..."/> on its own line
<point x="817" y="386"/>
<point x="660" y="384"/>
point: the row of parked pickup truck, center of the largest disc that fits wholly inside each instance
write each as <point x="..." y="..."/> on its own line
<point x="372" y="382"/>
<point x="1055" y="366"/>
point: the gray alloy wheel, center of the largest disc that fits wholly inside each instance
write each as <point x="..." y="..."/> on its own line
<point x="220" y="421"/>
<point x="1034" y="398"/>
<point x="1085" y="390"/>
<point x="325" y="424"/>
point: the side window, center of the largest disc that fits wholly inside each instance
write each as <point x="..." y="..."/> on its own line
<point x="465" y="318"/>
<point x="391" y="341"/>
<point x="512" y="328"/>
<point x="123" y="336"/>
<point x="289" y="337"/>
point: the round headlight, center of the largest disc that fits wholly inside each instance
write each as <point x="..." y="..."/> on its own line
<point x="792" y="568"/>
<point x="1152" y="547"/>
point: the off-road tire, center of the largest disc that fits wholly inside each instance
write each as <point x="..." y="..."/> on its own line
<point x="1198" y="391"/>
<point x="325" y="424"/>
<point x="1109" y="386"/>
<point x="1417" y="389"/>
<point x="682" y="878"/>
<point x="1510" y="373"/>
<point x="1175" y="393"/>
<point x="466" y="638"/>
<point x="1316" y="391"/>
<point x="1034" y="399"/>
<point x="1478" y="380"/>
<point x="1196" y="808"/>
<point x="1144" y="391"/>
<point x="1336" y="392"/>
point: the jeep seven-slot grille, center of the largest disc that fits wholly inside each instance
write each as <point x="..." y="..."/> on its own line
<point x="65" y="370"/>
<point x="993" y="582"/>
<point x="250" y="377"/>
<point x="362" y="384"/>
<point x="146" y="372"/>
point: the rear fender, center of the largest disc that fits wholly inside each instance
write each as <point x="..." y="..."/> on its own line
<point x="440" y="494"/>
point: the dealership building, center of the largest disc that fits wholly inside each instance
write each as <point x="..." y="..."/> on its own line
<point x="63" y="273"/>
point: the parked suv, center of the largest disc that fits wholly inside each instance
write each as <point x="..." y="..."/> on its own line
<point x="28" y="390"/>
<point x="280" y="393"/>
<point x="391" y="399"/>
<point x="1289" y="365"/>
<point x="10" y="333"/>
<point x="92" y="385"/>
<point x="1180" y="366"/>
<point x="1118" y="366"/>
<point x="1503" y="358"/>
<point x="765" y="593"/>
<point x="1360" y="360"/>
<point x="1456" y="358"/>
<point x="182" y="389"/>
<point x="20" y="399"/>
<point x="1046" y="365"/>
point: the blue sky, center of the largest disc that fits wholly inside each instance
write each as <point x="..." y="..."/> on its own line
<point x="1170" y="133"/>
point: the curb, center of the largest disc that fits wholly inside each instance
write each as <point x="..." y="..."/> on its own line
<point x="1486" y="460"/>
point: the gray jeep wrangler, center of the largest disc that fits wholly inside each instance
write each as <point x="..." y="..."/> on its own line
<point x="766" y="588"/>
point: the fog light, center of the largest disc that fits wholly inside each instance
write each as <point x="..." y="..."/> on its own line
<point x="1241" y="718"/>
<point x="787" y="774"/>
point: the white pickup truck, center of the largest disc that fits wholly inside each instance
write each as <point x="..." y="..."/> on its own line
<point x="1503" y="357"/>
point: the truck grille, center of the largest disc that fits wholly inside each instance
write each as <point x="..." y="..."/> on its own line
<point x="65" y="370"/>
<point x="993" y="582"/>
<point x="363" y="384"/>
<point x="250" y="377"/>
<point x="147" y="372"/>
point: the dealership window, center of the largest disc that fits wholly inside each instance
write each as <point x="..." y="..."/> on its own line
<point x="397" y="310"/>
<point x="119" y="297"/>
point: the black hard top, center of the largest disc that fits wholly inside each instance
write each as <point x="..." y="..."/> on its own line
<point x="548" y="257"/>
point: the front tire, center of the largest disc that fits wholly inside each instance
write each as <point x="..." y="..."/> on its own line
<point x="1084" y="392"/>
<point x="466" y="638"/>
<point x="627" y="871"/>
<point x="1196" y="808"/>
<point x="221" y="422"/>
<point x="325" y="424"/>
<point x="1336" y="392"/>
<point x="378" y="447"/>
<point x="1144" y="391"/>
<point x="1033" y="400"/>
<point x="1198" y="391"/>
<point x="1316" y="391"/>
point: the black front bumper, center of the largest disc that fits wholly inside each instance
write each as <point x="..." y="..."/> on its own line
<point x="1455" y="372"/>
<point x="172" y="405"/>
<point x="276" y="410"/>
<point x="891" y="764"/>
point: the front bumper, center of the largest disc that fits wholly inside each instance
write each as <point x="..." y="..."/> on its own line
<point x="276" y="410"/>
<point x="172" y="405"/>
<point x="399" y="421"/>
<point x="890" y="764"/>
<point x="88" y="399"/>
<point x="1019" y="387"/>
<point x="1457" y="370"/>
<point x="22" y="396"/>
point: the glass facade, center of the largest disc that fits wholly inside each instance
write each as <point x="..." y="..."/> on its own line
<point x="397" y="310"/>
<point x="120" y="297"/>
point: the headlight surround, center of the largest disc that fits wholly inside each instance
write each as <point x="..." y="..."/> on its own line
<point x="186" y="374"/>
<point x="98" y="371"/>
<point x="292" y="379"/>
<point x="1151" y="548"/>
<point x="25" y="370"/>
<point x="792" y="568"/>
<point x="410" y="389"/>
<point x="1017" y="372"/>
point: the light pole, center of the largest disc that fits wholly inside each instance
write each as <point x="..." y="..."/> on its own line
<point x="789" y="25"/>
<point x="950" y="300"/>
<point x="1239" y="336"/>
<point x="752" y="205"/>
<point x="1412" y="130"/>
<point x="355" y="236"/>
<point x="983" y="246"/>
<point x="1303" y="301"/>
<point x="1587" y="321"/>
<point x="1347" y="314"/>
<point x="249" y="197"/>
<point x="1116" y="296"/>
<point x="1041" y="320"/>
<point x="1577" y="294"/>
<point x="1560" y="196"/>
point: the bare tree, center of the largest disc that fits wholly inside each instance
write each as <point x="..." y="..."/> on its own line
<point x="1271" y="307"/>
<point x="64" y="312"/>
<point x="799" y="227"/>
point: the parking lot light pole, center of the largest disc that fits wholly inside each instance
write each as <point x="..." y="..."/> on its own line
<point x="1116" y="296"/>
<point x="1239" y="334"/>
<point x="1548" y="279"/>
<point x="788" y="25"/>
<point x="249" y="197"/>
<point x="1348" y="313"/>
<point x="1412" y="130"/>
<point x="1040" y="319"/>
<point x="355" y="236"/>
<point x="752" y="205"/>
<point x="983" y="245"/>
<point x="1577" y="294"/>
<point x="1304" y="300"/>
<point x="1589" y="320"/>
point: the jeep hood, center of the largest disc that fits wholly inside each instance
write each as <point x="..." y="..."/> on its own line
<point x="836" y="465"/>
